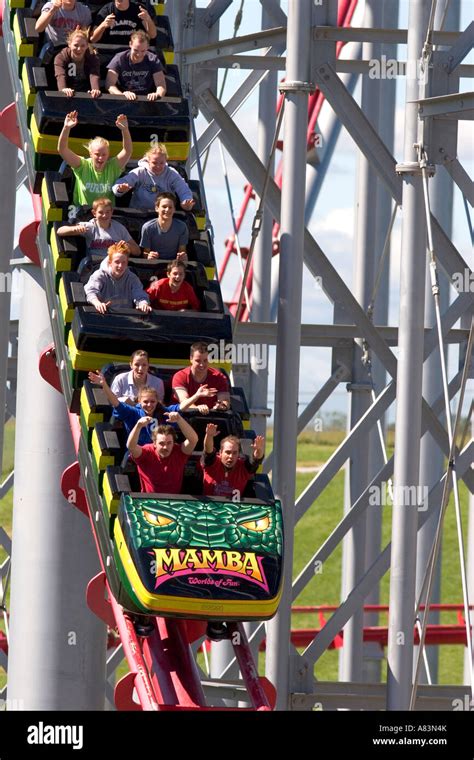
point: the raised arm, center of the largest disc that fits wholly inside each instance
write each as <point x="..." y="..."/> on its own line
<point x="100" y="30"/>
<point x="63" y="143"/>
<point x="148" y="23"/>
<point x="258" y="448"/>
<point x="132" y="441"/>
<point x="188" y="446"/>
<point x="47" y="16"/>
<point x="99" y="379"/>
<point x="211" y="432"/>
<point x="127" y="146"/>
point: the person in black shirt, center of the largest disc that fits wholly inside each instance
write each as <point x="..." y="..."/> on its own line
<point x="136" y="71"/>
<point x="116" y="21"/>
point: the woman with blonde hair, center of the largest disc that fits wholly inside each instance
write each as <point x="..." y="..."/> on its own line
<point x="94" y="175"/>
<point x="77" y="67"/>
<point x="151" y="177"/>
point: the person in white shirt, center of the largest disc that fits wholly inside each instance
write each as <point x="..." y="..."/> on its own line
<point x="59" y="17"/>
<point x="101" y="231"/>
<point x="127" y="384"/>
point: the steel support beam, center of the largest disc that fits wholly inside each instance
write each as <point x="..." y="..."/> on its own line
<point x="319" y="645"/>
<point x="289" y="325"/>
<point x="431" y="458"/>
<point x="215" y="10"/>
<point x="263" y="254"/>
<point x="57" y="646"/>
<point x="373" y="655"/>
<point x="277" y="35"/>
<point x="356" y="475"/>
<point x="458" y="105"/>
<point x="409" y="392"/>
<point x="274" y="13"/>
<point x="470" y="558"/>
<point x="362" y="696"/>
<point x="315" y="258"/>
<point x="362" y="503"/>
<point x="462" y="46"/>
<point x="461" y="178"/>
<point x="238" y="98"/>
<point x="376" y="151"/>
<point x="343" y="336"/>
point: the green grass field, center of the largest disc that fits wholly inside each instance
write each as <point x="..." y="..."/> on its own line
<point x="313" y="450"/>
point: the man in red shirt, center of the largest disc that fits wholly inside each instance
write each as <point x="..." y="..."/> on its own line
<point x="186" y="382"/>
<point x="161" y="463"/>
<point x="227" y="473"/>
<point x="172" y="293"/>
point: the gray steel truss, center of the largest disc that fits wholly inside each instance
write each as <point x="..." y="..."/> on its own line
<point x="432" y="112"/>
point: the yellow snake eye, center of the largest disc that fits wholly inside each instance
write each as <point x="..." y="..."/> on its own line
<point x="259" y="525"/>
<point x="159" y="520"/>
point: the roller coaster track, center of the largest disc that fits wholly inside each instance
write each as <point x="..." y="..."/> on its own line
<point x="162" y="670"/>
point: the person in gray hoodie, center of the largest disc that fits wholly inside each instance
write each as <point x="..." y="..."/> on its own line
<point x="113" y="286"/>
<point x="151" y="177"/>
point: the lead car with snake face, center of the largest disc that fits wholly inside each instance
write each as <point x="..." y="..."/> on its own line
<point x="199" y="557"/>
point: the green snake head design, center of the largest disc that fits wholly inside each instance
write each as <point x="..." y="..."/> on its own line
<point x="204" y="547"/>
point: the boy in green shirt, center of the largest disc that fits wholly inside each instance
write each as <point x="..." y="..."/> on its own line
<point x="95" y="175"/>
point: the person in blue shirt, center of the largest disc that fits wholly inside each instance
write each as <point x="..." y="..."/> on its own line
<point x="165" y="237"/>
<point x="148" y="406"/>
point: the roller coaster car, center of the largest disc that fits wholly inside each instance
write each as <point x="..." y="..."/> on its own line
<point x="238" y="402"/>
<point x="107" y="440"/>
<point x="199" y="212"/>
<point x="71" y="287"/>
<point x="199" y="557"/>
<point x="58" y="189"/>
<point x="68" y="252"/>
<point x="93" y="334"/>
<point x="168" y="117"/>
<point x="24" y="33"/>
<point x="96" y="408"/>
<point x="29" y="42"/>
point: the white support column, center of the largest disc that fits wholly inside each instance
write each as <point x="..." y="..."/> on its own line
<point x="57" y="646"/>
